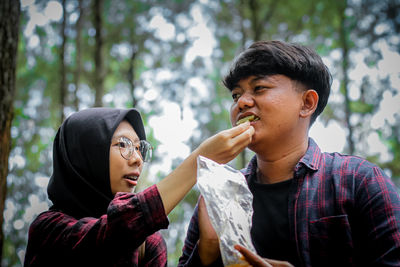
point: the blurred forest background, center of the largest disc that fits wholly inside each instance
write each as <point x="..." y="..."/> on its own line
<point x="167" y="58"/>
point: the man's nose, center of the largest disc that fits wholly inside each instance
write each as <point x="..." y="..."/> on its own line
<point x="245" y="100"/>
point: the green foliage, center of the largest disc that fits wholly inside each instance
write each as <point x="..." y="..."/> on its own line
<point x="394" y="145"/>
<point x="229" y="48"/>
<point x="361" y="107"/>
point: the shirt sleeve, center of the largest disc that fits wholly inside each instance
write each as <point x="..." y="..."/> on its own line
<point x="130" y="219"/>
<point x="378" y="205"/>
<point x="188" y="257"/>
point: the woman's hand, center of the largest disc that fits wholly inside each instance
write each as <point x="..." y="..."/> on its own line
<point x="256" y="261"/>
<point x="208" y="241"/>
<point x="222" y="148"/>
<point x="226" y="145"/>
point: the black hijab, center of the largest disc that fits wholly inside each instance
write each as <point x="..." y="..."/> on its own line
<point x="80" y="184"/>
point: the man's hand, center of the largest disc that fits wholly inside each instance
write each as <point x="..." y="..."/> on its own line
<point x="208" y="241"/>
<point x="256" y="261"/>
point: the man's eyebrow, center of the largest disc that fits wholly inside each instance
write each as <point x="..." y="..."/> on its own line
<point x="259" y="77"/>
<point x="252" y="81"/>
<point x="236" y="85"/>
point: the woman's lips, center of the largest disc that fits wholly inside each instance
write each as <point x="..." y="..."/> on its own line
<point x="131" y="179"/>
<point x="131" y="182"/>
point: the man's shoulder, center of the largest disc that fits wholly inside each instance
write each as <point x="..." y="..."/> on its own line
<point x="344" y="165"/>
<point x="348" y="160"/>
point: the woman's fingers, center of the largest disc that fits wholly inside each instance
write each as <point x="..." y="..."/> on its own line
<point x="227" y="144"/>
<point x="241" y="137"/>
<point x="244" y="138"/>
<point x="236" y="130"/>
<point x="241" y="132"/>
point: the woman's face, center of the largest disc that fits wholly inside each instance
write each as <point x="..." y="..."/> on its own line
<point x="124" y="173"/>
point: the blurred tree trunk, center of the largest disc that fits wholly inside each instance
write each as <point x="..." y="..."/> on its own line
<point x="131" y="67"/>
<point x="9" y="31"/>
<point x="242" y="28"/>
<point x="98" y="55"/>
<point x="63" y="83"/>
<point x="78" y="44"/>
<point x="259" y="19"/>
<point x="344" y="44"/>
<point x="256" y="25"/>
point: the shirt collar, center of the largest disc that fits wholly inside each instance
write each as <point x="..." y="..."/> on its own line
<point x="312" y="156"/>
<point x="310" y="160"/>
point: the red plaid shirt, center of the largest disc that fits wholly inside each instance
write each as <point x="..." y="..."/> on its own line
<point x="343" y="211"/>
<point x="56" y="239"/>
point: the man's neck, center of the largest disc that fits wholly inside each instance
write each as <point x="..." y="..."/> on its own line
<point x="279" y="166"/>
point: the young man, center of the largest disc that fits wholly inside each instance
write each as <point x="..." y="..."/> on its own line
<point x="310" y="208"/>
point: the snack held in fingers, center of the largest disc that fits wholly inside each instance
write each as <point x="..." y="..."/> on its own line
<point x="248" y="118"/>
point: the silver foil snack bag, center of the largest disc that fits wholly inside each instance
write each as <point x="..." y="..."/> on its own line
<point x="229" y="206"/>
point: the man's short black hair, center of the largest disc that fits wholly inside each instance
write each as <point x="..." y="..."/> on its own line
<point x="295" y="61"/>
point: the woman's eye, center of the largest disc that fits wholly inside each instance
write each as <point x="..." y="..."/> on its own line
<point x="122" y="144"/>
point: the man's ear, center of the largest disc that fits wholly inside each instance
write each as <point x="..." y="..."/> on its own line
<point x="310" y="102"/>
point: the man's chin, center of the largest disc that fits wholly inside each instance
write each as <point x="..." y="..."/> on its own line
<point x="252" y="146"/>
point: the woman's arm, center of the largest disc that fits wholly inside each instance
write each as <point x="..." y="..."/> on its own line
<point x="222" y="148"/>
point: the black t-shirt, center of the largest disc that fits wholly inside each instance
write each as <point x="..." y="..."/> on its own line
<point x="270" y="230"/>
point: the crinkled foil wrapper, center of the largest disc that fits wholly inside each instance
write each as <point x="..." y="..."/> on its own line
<point x="229" y="206"/>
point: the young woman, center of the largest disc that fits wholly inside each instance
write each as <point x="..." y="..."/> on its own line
<point x="96" y="219"/>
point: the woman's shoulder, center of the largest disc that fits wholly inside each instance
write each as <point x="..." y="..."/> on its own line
<point x="51" y="217"/>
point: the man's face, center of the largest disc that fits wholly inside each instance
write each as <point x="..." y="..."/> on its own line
<point x="276" y="101"/>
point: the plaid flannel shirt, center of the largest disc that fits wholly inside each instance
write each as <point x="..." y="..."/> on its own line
<point x="56" y="239"/>
<point x="343" y="211"/>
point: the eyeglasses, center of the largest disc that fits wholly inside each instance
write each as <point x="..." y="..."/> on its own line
<point x="127" y="148"/>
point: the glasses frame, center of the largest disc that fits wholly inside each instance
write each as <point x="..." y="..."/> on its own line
<point x="144" y="152"/>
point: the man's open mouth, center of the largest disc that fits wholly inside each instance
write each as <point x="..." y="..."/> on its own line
<point x="248" y="118"/>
